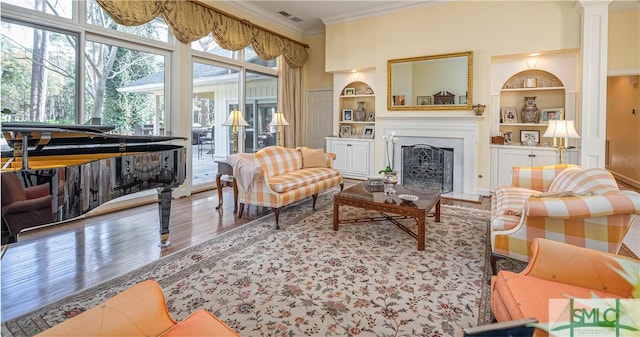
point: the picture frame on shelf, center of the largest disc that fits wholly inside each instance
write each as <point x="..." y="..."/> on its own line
<point x="462" y="100"/>
<point x="399" y="100"/>
<point x="372" y="117"/>
<point x="529" y="136"/>
<point x="507" y="138"/>
<point x="349" y="91"/>
<point x="347" y="115"/>
<point x="552" y="114"/>
<point x="345" y="131"/>
<point x="368" y="132"/>
<point x="368" y="90"/>
<point x="424" y="100"/>
<point x="508" y="115"/>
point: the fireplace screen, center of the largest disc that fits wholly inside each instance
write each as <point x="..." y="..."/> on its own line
<point x="426" y="166"/>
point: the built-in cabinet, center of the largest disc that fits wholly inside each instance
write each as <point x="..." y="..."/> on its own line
<point x="354" y="157"/>
<point x="354" y="133"/>
<point x="549" y="80"/>
<point x="504" y="158"/>
<point x="356" y="111"/>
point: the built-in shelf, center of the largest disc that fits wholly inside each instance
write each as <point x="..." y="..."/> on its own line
<point x="349" y="96"/>
<point x="533" y="89"/>
<point x="523" y="124"/>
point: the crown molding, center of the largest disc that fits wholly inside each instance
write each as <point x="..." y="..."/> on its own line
<point x="383" y="8"/>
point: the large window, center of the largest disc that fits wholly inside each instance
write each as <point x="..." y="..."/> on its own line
<point x="124" y="88"/>
<point x="68" y="62"/>
<point x="155" y="29"/>
<point x="39" y="73"/>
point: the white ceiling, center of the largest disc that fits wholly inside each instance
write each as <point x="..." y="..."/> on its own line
<point x="315" y="14"/>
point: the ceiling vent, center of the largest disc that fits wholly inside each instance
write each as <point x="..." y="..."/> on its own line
<point x="285" y="14"/>
<point x="296" y="19"/>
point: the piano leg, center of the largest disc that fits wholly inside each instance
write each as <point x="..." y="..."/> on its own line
<point x="164" y="206"/>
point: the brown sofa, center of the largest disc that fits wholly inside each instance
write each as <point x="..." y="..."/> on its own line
<point x="139" y="311"/>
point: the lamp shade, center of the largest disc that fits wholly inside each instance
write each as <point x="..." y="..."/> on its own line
<point x="561" y="129"/>
<point x="278" y="120"/>
<point x="235" y="119"/>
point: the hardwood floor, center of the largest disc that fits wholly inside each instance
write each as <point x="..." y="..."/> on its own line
<point x="48" y="264"/>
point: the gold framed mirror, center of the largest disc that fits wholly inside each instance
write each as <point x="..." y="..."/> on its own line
<point x="435" y="82"/>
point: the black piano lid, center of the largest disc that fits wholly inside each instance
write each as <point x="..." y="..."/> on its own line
<point x="72" y="134"/>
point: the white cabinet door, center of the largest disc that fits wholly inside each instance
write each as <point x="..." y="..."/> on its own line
<point x="544" y="157"/>
<point x="341" y="149"/>
<point x="354" y="157"/>
<point x="360" y="158"/>
<point x="507" y="159"/>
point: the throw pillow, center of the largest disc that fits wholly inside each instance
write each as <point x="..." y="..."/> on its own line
<point x="313" y="157"/>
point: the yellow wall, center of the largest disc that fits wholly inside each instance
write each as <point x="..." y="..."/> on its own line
<point x="624" y="42"/>
<point x="623" y="127"/>
<point x="487" y="28"/>
<point x="314" y="75"/>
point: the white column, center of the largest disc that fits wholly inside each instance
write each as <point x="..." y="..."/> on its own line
<point x="595" y="19"/>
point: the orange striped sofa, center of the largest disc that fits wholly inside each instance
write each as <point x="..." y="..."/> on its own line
<point x="278" y="176"/>
<point x="566" y="203"/>
<point x="139" y="311"/>
<point x="560" y="271"/>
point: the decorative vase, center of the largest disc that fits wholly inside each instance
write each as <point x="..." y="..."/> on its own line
<point x="361" y="112"/>
<point x="530" y="112"/>
<point x="390" y="179"/>
<point x="479" y="109"/>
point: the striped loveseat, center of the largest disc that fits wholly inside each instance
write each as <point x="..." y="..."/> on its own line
<point x="278" y="176"/>
<point x="565" y="203"/>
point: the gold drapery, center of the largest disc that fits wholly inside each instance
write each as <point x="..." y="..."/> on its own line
<point x="190" y="21"/>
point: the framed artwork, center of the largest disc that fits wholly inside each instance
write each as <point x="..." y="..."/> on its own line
<point x="345" y="131"/>
<point x="368" y="131"/>
<point x="399" y="100"/>
<point x="347" y="115"/>
<point x="462" y="99"/>
<point x="349" y="91"/>
<point x="424" y="100"/>
<point x="552" y="114"/>
<point x="507" y="138"/>
<point x="508" y="115"/>
<point x="372" y="116"/>
<point x="529" y="136"/>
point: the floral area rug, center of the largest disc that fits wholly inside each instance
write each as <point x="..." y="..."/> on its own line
<point x="366" y="279"/>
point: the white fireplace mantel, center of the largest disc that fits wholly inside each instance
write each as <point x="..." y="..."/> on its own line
<point x="464" y="128"/>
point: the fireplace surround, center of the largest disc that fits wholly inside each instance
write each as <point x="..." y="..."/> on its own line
<point x="459" y="133"/>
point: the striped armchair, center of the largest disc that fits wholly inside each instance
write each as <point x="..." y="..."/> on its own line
<point x="565" y="203"/>
<point x="277" y="176"/>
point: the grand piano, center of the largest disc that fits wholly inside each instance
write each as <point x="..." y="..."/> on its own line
<point x="53" y="173"/>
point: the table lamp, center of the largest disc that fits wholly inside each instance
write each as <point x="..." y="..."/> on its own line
<point x="564" y="130"/>
<point x="235" y="120"/>
<point x="278" y="121"/>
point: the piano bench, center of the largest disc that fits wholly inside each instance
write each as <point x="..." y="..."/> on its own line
<point x="139" y="311"/>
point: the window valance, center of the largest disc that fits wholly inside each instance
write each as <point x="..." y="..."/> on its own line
<point x="190" y="21"/>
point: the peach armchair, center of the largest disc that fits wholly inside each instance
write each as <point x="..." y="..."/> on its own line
<point x="139" y="311"/>
<point x="558" y="271"/>
<point x="565" y="203"/>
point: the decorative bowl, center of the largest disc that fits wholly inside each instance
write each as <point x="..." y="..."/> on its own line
<point x="408" y="197"/>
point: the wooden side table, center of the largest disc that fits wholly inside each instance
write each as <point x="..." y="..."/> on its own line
<point x="225" y="168"/>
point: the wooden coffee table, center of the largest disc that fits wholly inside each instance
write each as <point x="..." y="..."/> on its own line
<point x="373" y="198"/>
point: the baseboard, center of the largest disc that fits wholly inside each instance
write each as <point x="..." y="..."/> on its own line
<point x="625" y="179"/>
